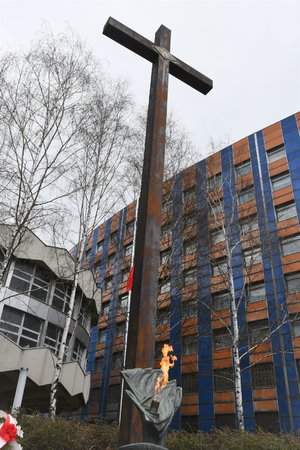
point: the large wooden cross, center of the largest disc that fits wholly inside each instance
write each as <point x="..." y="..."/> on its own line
<point x="142" y="326"/>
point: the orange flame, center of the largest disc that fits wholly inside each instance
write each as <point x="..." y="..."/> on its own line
<point x="166" y="363"/>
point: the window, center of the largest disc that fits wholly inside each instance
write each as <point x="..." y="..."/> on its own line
<point x="120" y="329"/>
<point x="252" y="256"/>
<point x="189" y="194"/>
<point x="245" y="195"/>
<point x="165" y="230"/>
<point x="128" y="250"/>
<point x="189" y="383"/>
<point x="263" y="375"/>
<point x="243" y="168"/>
<point x="293" y="282"/>
<point x="215" y="182"/>
<point x="163" y="316"/>
<point x="101" y="336"/>
<point x="216" y="207"/>
<point x="20" y="327"/>
<point x="105" y="309"/>
<point x="110" y="259"/>
<point x="117" y="360"/>
<point x="248" y="224"/>
<point x="219" y="267"/>
<point x="94" y="394"/>
<point x="83" y="315"/>
<point x="295" y="322"/>
<point x="268" y="421"/>
<point x="190" y="219"/>
<point x="113" y="238"/>
<point x="125" y="275"/>
<point x="290" y="244"/>
<point x="189" y="345"/>
<point x="108" y="283"/>
<point x="130" y="227"/>
<point x="221" y="301"/>
<point x="189" y="309"/>
<point x="223" y="379"/>
<point x="258" y="331"/>
<point x="189" y="423"/>
<point x="123" y="301"/>
<point x="221" y="338"/>
<point x="53" y="337"/>
<point x="167" y="204"/>
<point x="164" y="286"/>
<point x="225" y="420"/>
<point x="98" y="364"/>
<point x="216" y="236"/>
<point x="189" y="247"/>
<point x="286" y="211"/>
<point x="276" y="153"/>
<point x="78" y="351"/>
<point x="61" y="296"/>
<point x="280" y="181"/>
<point x="190" y="276"/>
<point x="30" y="279"/>
<point x="100" y="246"/>
<point x="114" y="393"/>
<point x="165" y="256"/>
<point x="255" y="292"/>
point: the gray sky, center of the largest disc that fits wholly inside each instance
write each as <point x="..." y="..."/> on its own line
<point x="251" y="50"/>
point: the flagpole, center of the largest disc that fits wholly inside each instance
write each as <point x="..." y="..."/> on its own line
<point x="128" y="309"/>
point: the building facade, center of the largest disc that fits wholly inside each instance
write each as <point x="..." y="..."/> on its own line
<point x="34" y="302"/>
<point x="230" y="229"/>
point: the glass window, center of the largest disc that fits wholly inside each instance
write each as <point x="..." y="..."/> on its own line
<point x="189" y="246"/>
<point x="243" y="168"/>
<point x="123" y="301"/>
<point x="189" y="194"/>
<point x="113" y="238"/>
<point x="30" y="279"/>
<point x="256" y="292"/>
<point x="280" y="181"/>
<point x="221" y="301"/>
<point x="189" y="345"/>
<point x="167" y="203"/>
<point x="290" y="245"/>
<point x="219" y="267"/>
<point x="189" y="309"/>
<point x="263" y="375"/>
<point x="293" y="282"/>
<point x="117" y="360"/>
<point x="268" y="421"/>
<point x="248" y="224"/>
<point x="189" y="383"/>
<point x="163" y="316"/>
<point x="216" y="207"/>
<point x="108" y="283"/>
<point x="100" y="246"/>
<point x="223" y="379"/>
<point x="120" y="329"/>
<point x="276" y="153"/>
<point x="114" y="393"/>
<point x="98" y="364"/>
<point x="258" y="331"/>
<point x="190" y="219"/>
<point x="128" y="250"/>
<point x="83" y="315"/>
<point x="216" y="236"/>
<point x="252" y="256"/>
<point x="286" y="211"/>
<point x="105" y="309"/>
<point x="295" y="322"/>
<point x="110" y="259"/>
<point x="165" y="230"/>
<point x="53" y="337"/>
<point x="215" y="182"/>
<point x="165" y="286"/>
<point x="165" y="257"/>
<point x="20" y="327"/>
<point x="125" y="275"/>
<point x="101" y="336"/>
<point x="190" y="276"/>
<point x="78" y="351"/>
<point x="221" y="338"/>
<point x="245" y="195"/>
<point x="61" y="296"/>
<point x="130" y="227"/>
<point x="225" y="420"/>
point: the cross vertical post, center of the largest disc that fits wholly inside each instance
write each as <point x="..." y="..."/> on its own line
<point x="142" y="316"/>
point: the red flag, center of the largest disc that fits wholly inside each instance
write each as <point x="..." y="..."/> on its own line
<point x="130" y="280"/>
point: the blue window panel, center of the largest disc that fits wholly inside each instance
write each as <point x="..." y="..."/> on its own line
<point x="94" y="246"/>
<point x="205" y="366"/>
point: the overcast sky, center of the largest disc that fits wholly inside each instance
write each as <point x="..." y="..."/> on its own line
<point x="251" y="50"/>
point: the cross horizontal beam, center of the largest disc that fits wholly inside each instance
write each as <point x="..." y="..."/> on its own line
<point x="148" y="50"/>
